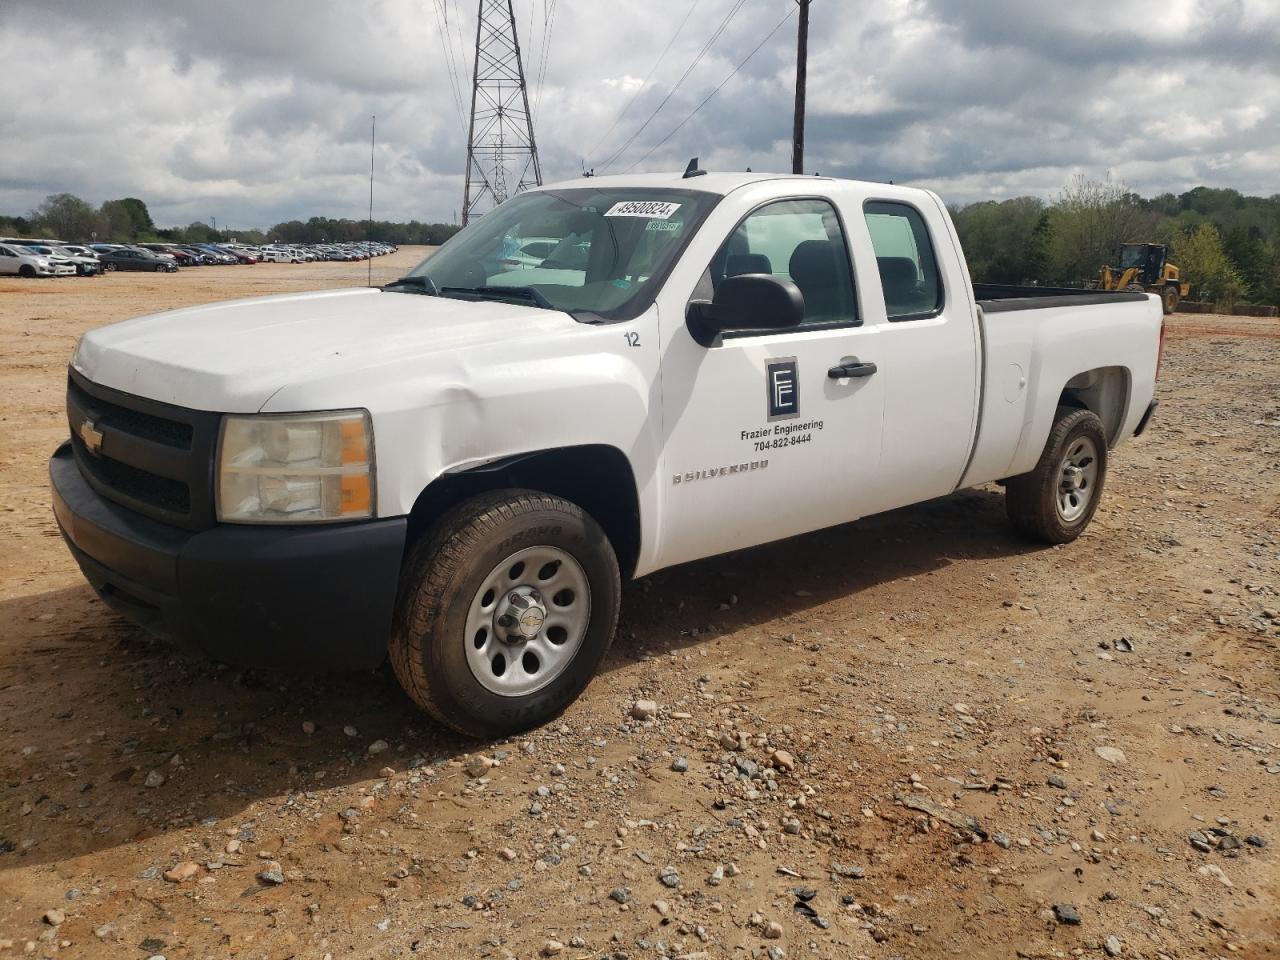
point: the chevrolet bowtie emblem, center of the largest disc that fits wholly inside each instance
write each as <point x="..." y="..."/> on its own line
<point x="91" y="436"/>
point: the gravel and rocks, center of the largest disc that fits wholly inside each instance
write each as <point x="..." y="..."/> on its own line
<point x="896" y="741"/>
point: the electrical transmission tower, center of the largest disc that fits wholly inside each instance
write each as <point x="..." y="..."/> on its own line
<point x="502" y="155"/>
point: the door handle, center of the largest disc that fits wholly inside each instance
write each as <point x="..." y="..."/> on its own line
<point x="851" y="368"/>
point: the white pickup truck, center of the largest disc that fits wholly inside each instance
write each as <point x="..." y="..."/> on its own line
<point x="459" y="468"/>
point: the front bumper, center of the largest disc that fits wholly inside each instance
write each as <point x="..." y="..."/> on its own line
<point x="311" y="597"/>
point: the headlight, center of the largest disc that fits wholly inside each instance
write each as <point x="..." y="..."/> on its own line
<point x="296" y="468"/>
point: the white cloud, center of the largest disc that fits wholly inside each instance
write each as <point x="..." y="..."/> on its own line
<point x="255" y="112"/>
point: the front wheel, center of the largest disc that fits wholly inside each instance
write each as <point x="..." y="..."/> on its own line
<point x="1170" y="298"/>
<point x="507" y="607"/>
<point x="1056" y="500"/>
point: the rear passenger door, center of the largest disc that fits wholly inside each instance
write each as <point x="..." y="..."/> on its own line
<point x="928" y="351"/>
<point x="761" y="442"/>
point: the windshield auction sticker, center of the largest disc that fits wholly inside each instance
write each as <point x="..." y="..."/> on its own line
<point x="649" y="209"/>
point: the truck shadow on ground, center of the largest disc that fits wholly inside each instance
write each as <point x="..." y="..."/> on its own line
<point x="98" y="713"/>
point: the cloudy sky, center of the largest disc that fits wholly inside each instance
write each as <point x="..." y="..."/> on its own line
<point x="256" y="111"/>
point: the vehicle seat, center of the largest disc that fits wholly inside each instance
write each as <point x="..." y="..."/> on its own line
<point x="740" y="263"/>
<point x="901" y="285"/>
<point x="819" y="269"/>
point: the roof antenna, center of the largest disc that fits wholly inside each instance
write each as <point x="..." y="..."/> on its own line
<point x="692" y="170"/>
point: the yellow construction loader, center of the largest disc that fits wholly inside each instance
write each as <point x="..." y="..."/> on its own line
<point x="1145" y="267"/>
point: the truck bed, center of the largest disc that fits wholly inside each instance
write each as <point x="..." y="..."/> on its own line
<point x="1003" y="297"/>
<point x="1030" y="358"/>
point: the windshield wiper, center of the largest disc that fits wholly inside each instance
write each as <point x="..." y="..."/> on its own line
<point x="528" y="294"/>
<point x="419" y="284"/>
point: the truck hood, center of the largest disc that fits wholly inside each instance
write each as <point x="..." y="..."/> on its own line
<point x="231" y="357"/>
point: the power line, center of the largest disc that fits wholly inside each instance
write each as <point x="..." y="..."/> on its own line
<point x="684" y="76"/>
<point x="644" y="82"/>
<point x="449" y="64"/>
<point x="707" y="98"/>
<point x="464" y="51"/>
<point x="548" y="27"/>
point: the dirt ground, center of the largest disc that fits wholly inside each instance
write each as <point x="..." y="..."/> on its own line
<point x="1108" y="711"/>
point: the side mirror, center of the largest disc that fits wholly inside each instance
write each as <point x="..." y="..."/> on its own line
<point x="749" y="301"/>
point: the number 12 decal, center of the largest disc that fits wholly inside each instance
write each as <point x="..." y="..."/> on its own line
<point x="633" y="339"/>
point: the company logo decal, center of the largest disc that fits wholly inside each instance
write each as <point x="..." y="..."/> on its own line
<point x="782" y="383"/>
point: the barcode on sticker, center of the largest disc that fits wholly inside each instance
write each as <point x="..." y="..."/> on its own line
<point x="651" y="209"/>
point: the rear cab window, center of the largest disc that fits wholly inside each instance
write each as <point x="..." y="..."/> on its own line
<point x="906" y="261"/>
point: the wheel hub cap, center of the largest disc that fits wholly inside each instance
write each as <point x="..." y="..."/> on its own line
<point x="522" y="616"/>
<point x="527" y="620"/>
<point x="1077" y="479"/>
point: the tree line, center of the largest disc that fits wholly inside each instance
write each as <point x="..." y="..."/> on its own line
<point x="1226" y="244"/>
<point x="64" y="216"/>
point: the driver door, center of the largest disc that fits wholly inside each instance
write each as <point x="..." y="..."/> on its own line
<point x="762" y="440"/>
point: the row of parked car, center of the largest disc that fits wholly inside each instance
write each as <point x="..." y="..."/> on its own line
<point x="55" y="258"/>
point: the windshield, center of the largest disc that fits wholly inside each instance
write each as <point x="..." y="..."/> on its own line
<point x="1132" y="255"/>
<point x="602" y="253"/>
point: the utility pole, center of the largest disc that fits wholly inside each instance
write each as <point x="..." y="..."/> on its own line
<point x="500" y="138"/>
<point x="802" y="75"/>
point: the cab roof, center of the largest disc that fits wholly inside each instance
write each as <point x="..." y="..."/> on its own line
<point x="709" y="182"/>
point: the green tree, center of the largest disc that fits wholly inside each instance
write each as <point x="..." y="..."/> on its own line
<point x="117" y="223"/>
<point x="197" y="232"/>
<point x="15" y="227"/>
<point x="1255" y="259"/>
<point x="1089" y="220"/>
<point x="140" y="217"/>
<point x="64" y="216"/>
<point x="1205" y="265"/>
<point x="1004" y="242"/>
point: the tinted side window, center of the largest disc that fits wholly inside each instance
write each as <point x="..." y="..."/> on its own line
<point x="800" y="241"/>
<point x="904" y="254"/>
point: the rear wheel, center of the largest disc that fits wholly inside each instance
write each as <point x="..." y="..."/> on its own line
<point x="1056" y="500"/>
<point x="1170" y="298"/>
<point x="507" y="607"/>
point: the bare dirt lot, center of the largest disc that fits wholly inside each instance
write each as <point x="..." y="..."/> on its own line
<point x="1108" y="712"/>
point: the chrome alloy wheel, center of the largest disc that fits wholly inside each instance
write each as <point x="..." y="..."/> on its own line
<point x="1077" y="478"/>
<point x="527" y="621"/>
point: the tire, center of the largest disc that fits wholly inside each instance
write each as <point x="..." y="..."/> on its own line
<point x="1040" y="504"/>
<point x="160" y="268"/>
<point x="1169" y="298"/>
<point x="109" y="267"/>
<point x="456" y="633"/>
<point x="26" y="270"/>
